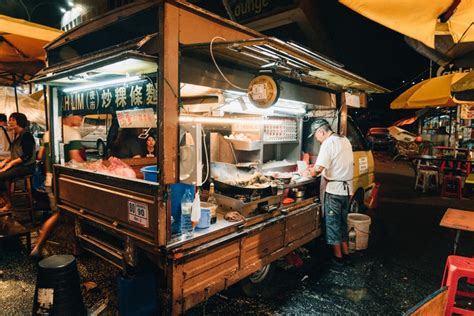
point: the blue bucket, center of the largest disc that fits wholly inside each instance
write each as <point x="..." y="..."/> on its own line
<point x="150" y="173"/>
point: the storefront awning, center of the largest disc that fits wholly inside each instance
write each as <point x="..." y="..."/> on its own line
<point x="428" y="93"/>
<point x="128" y="59"/>
<point x="288" y="60"/>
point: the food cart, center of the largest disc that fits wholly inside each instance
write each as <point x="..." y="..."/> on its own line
<point x="146" y="64"/>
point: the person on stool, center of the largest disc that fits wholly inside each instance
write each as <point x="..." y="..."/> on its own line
<point x="6" y="137"/>
<point x="22" y="160"/>
<point x="335" y="164"/>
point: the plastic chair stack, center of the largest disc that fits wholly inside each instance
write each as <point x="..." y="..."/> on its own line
<point x="457" y="267"/>
<point x="427" y="177"/>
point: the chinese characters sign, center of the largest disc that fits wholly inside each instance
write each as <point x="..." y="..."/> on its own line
<point x="140" y="118"/>
<point x="140" y="94"/>
<point x="467" y="112"/>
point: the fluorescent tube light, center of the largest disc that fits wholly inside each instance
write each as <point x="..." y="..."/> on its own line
<point x="219" y="121"/>
<point x="103" y="84"/>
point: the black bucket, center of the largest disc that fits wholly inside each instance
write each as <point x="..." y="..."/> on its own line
<point x="58" y="289"/>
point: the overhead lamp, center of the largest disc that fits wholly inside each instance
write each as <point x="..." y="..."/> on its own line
<point x="62" y="10"/>
<point x="70" y="3"/>
<point x="103" y="84"/>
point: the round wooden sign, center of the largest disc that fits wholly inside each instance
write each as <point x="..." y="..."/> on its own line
<point x="263" y="91"/>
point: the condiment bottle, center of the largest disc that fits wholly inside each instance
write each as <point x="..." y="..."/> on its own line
<point x="212" y="200"/>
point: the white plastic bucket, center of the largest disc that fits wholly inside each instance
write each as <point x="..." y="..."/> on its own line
<point x="361" y="224"/>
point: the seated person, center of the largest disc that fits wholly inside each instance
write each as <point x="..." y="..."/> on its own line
<point x="150" y="146"/>
<point x="128" y="145"/>
<point x="6" y="137"/>
<point x="22" y="160"/>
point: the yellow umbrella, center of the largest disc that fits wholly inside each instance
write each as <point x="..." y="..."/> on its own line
<point x="420" y="19"/>
<point x="463" y="89"/>
<point x="21" y="48"/>
<point x="428" y="93"/>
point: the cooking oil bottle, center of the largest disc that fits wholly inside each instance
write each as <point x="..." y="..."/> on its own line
<point x="212" y="200"/>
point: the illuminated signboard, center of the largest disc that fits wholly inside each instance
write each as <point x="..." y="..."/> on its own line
<point x="247" y="9"/>
<point x="141" y="94"/>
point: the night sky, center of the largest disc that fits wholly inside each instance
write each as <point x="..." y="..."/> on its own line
<point x="363" y="46"/>
<point x="42" y="12"/>
<point x="378" y="54"/>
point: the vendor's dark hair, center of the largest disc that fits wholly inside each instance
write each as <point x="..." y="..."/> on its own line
<point x="3" y="117"/>
<point x="20" y="118"/>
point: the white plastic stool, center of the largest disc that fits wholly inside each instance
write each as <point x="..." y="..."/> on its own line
<point x="425" y="176"/>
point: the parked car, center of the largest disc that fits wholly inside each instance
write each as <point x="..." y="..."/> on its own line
<point x="94" y="129"/>
<point x="379" y="138"/>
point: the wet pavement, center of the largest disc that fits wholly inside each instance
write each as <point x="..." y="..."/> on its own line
<point x="403" y="264"/>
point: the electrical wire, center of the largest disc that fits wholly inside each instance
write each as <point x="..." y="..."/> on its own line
<point x="410" y="81"/>
<point x="207" y="157"/>
<point x="217" y="67"/>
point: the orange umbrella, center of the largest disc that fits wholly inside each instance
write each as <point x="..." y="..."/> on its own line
<point x="428" y="93"/>
<point x="421" y="20"/>
<point x="405" y="121"/>
<point x="21" y="48"/>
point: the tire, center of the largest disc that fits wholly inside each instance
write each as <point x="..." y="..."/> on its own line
<point x="357" y="203"/>
<point x="100" y="148"/>
<point x="253" y="284"/>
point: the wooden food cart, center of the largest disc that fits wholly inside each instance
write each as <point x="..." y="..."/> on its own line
<point x="150" y="61"/>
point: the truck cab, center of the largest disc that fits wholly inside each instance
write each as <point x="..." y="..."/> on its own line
<point x="363" y="180"/>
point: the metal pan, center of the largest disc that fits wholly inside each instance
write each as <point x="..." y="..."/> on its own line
<point x="228" y="189"/>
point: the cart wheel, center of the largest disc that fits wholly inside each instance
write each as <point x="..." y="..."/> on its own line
<point x="100" y="148"/>
<point x="252" y="285"/>
<point x="357" y="203"/>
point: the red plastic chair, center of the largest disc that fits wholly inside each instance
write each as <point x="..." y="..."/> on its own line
<point x="452" y="186"/>
<point x="457" y="267"/>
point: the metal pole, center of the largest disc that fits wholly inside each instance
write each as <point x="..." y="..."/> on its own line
<point x="431" y="68"/>
<point x="16" y="97"/>
<point x="450" y="126"/>
<point x="45" y="99"/>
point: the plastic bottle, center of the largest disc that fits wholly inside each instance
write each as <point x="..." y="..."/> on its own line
<point x="212" y="200"/>
<point x="196" y="210"/>
<point x="186" y="207"/>
<point x="352" y="239"/>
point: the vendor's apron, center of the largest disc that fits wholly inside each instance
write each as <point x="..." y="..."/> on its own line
<point x="323" y="186"/>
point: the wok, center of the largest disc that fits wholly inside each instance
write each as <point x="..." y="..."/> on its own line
<point x="231" y="190"/>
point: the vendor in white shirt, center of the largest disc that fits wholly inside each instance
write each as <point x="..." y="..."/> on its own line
<point x="335" y="164"/>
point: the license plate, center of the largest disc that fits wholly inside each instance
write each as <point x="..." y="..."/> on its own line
<point x="138" y="213"/>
